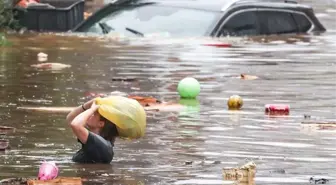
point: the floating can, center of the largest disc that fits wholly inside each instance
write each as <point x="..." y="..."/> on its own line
<point x="277" y="109"/>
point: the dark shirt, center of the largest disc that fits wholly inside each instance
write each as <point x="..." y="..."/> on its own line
<point x="96" y="150"/>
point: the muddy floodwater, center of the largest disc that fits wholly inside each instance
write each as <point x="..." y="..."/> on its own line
<point x="180" y="147"/>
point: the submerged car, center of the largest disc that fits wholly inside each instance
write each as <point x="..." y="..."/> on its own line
<point x="214" y="18"/>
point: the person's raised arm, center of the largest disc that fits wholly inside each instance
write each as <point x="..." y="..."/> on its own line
<point x="79" y="122"/>
<point x="78" y="110"/>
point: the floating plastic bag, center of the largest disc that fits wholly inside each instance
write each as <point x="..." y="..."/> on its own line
<point x="127" y="114"/>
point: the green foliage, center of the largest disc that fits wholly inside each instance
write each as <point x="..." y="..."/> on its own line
<point x="7" y="20"/>
<point x="3" y="40"/>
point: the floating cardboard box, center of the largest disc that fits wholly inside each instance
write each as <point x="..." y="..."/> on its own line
<point x="244" y="174"/>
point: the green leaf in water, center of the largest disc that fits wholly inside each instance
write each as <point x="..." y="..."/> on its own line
<point x="3" y="40"/>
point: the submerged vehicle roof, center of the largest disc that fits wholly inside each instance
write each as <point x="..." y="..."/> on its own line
<point x="218" y="5"/>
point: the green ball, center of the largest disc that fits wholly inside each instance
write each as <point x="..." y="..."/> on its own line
<point x="188" y="88"/>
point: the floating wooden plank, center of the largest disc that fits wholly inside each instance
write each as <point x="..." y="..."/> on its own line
<point x="325" y="125"/>
<point x="165" y="107"/>
<point x="168" y="107"/>
<point x="4" y="144"/>
<point x="319" y="122"/>
<point x="149" y="104"/>
<point x="57" y="181"/>
<point x="145" y="101"/>
<point x="5" y="130"/>
<point x="47" y="109"/>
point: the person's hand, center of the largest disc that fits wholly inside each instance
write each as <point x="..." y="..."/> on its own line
<point x="88" y="104"/>
<point x="94" y="106"/>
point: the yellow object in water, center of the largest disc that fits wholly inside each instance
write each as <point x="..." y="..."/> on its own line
<point x="127" y="114"/>
<point x="235" y="102"/>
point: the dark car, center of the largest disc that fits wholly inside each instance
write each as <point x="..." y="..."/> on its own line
<point x="214" y="18"/>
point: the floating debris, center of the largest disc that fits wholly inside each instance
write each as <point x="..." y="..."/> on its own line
<point x="219" y="45"/>
<point x="57" y="181"/>
<point x="34" y="100"/>
<point x="203" y="162"/>
<point x="277" y="109"/>
<point x="87" y="15"/>
<point x="188" y="163"/>
<point x="14" y="181"/>
<point x="48" y="171"/>
<point x="52" y="66"/>
<point x="245" y="173"/>
<point x="189" y="88"/>
<point x="124" y="79"/>
<point x="145" y="101"/>
<point x="42" y="57"/>
<point x="318" y="180"/>
<point x="235" y="102"/>
<point x="279" y="171"/>
<point x="95" y="94"/>
<point x="5" y="130"/>
<point x="307" y="116"/>
<point x="331" y="125"/>
<point x="149" y="104"/>
<point x="248" y="77"/>
<point x="48" y="109"/>
<point x="42" y="54"/>
<point x="164" y="107"/>
<point x="4" y="144"/>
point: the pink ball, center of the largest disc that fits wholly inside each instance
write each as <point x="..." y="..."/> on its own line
<point x="48" y="171"/>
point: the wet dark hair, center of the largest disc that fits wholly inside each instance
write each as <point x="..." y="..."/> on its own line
<point x="109" y="131"/>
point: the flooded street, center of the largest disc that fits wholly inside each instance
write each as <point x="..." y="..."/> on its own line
<point x="299" y="71"/>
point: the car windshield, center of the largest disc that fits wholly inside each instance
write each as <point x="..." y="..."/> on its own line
<point x="154" y="19"/>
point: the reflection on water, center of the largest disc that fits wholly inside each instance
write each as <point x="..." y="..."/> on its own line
<point x="299" y="71"/>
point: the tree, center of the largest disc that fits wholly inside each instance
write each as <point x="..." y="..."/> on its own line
<point x="7" y="20"/>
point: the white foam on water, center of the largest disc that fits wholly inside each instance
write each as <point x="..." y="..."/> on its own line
<point x="280" y="144"/>
<point x="228" y="137"/>
<point x="207" y="176"/>
<point x="280" y="179"/>
<point x="311" y="159"/>
<point x="216" y="128"/>
<point x="251" y="127"/>
<point x="230" y="112"/>
<point x="203" y="182"/>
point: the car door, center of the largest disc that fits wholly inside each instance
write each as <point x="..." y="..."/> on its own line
<point x="240" y="23"/>
<point x="277" y="21"/>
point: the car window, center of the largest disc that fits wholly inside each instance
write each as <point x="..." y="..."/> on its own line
<point x="241" y="24"/>
<point x="149" y="19"/>
<point x="278" y="22"/>
<point x="302" y="21"/>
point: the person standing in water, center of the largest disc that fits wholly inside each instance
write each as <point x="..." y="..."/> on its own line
<point x="95" y="133"/>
